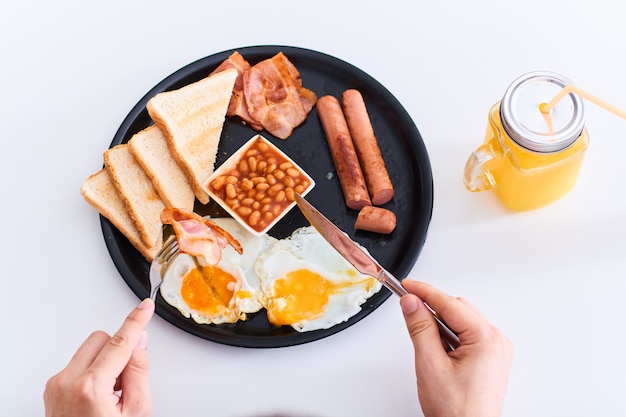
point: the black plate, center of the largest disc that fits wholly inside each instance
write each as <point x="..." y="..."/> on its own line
<point x="402" y="148"/>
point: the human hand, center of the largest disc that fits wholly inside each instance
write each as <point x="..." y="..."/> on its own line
<point x="107" y="376"/>
<point x="468" y="381"/>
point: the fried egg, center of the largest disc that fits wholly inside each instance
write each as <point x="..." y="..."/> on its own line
<point x="222" y="293"/>
<point x="308" y="285"/>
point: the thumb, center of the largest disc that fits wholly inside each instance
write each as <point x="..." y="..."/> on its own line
<point x="423" y="330"/>
<point x="135" y="381"/>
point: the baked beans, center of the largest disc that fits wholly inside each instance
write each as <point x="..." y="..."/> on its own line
<point x="260" y="185"/>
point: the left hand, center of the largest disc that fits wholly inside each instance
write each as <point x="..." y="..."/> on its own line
<point x="108" y="375"/>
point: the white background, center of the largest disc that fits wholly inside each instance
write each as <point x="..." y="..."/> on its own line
<point x="551" y="279"/>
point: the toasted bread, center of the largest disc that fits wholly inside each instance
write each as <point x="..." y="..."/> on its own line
<point x="191" y="119"/>
<point x="99" y="192"/>
<point x="136" y="191"/>
<point x="149" y="147"/>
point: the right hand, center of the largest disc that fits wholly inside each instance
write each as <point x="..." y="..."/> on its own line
<point x="469" y="381"/>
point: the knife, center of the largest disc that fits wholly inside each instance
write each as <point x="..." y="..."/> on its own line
<point x="364" y="262"/>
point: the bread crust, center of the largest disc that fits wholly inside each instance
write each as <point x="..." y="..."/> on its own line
<point x="136" y="191"/>
<point x="99" y="192"/>
<point x="150" y="149"/>
<point x="192" y="118"/>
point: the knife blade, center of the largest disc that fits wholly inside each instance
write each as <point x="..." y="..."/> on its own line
<point x="363" y="261"/>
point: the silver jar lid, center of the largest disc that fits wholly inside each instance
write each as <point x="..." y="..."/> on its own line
<point x="532" y="129"/>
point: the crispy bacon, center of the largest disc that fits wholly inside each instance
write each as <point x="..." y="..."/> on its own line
<point x="275" y="96"/>
<point x="237" y="105"/>
<point x="198" y="236"/>
<point x="268" y="95"/>
<point x="307" y="97"/>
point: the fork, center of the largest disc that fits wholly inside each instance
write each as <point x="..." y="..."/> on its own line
<point x="159" y="265"/>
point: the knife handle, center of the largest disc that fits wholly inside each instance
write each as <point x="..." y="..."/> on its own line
<point x="447" y="335"/>
<point x="392" y="283"/>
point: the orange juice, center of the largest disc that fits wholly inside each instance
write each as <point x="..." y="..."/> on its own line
<point x="526" y="179"/>
<point x="530" y="159"/>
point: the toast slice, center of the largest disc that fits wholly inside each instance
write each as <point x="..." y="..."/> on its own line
<point x="191" y="118"/>
<point x="136" y="191"/>
<point x="149" y="147"/>
<point x="99" y="192"/>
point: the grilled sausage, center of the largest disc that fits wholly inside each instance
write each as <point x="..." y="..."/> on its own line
<point x="376" y="219"/>
<point x="343" y="153"/>
<point x="366" y="146"/>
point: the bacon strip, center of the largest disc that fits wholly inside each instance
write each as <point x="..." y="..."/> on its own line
<point x="198" y="236"/>
<point x="268" y="95"/>
<point x="275" y="96"/>
<point x="237" y="105"/>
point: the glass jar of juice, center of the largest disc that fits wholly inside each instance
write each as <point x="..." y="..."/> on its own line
<point x="529" y="158"/>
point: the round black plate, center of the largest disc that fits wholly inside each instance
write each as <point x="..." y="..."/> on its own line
<point x="402" y="148"/>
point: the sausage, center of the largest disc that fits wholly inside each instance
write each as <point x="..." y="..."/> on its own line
<point x="367" y="149"/>
<point x="375" y="219"/>
<point x="343" y="153"/>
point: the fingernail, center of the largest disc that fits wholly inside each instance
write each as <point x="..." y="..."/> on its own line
<point x="142" y="343"/>
<point x="408" y="303"/>
<point x="145" y="303"/>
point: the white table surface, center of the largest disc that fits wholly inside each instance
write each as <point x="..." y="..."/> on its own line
<point x="552" y="279"/>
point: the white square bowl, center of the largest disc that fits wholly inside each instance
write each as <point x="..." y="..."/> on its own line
<point x="247" y="195"/>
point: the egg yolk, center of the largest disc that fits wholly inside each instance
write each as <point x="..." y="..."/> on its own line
<point x="208" y="289"/>
<point x="301" y="295"/>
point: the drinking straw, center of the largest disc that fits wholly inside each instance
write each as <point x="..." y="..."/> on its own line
<point x="571" y="88"/>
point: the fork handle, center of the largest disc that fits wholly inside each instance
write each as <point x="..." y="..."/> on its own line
<point x="154" y="291"/>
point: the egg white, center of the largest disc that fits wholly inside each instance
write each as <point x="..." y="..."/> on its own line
<point x="307" y="250"/>
<point x="247" y="297"/>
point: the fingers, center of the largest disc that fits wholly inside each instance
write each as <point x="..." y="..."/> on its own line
<point x="135" y="382"/>
<point x="87" y="352"/>
<point x="457" y="313"/>
<point x="116" y="353"/>
<point x="472" y="306"/>
<point x="59" y="390"/>
<point x="423" y="331"/>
